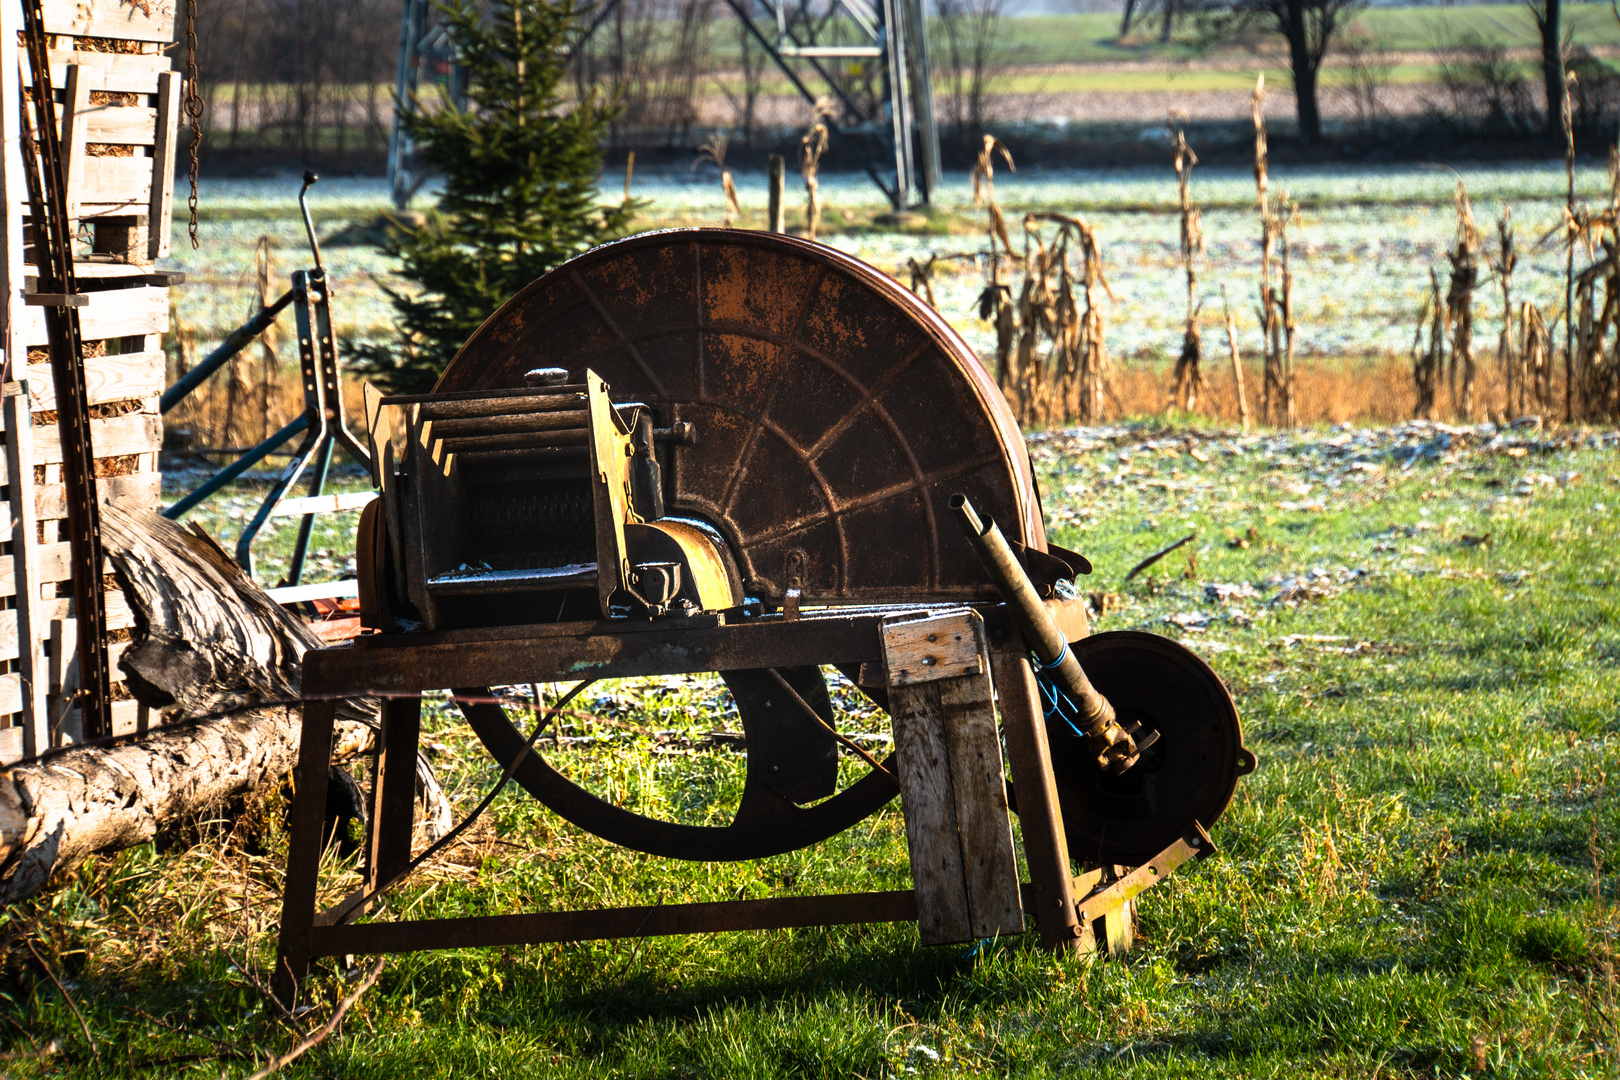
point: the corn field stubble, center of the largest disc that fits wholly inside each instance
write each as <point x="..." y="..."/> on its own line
<point x="1419" y="625"/>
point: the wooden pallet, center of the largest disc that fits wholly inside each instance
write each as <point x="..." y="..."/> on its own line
<point x="118" y="106"/>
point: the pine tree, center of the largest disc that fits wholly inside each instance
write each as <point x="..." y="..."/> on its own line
<point x="520" y="166"/>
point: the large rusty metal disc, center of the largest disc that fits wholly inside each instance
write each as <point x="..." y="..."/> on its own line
<point x="835" y="412"/>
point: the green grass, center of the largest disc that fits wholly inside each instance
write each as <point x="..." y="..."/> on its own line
<point x="1416" y="881"/>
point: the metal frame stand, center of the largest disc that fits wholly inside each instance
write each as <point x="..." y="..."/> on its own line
<point x="322" y="420"/>
<point x="402" y="667"/>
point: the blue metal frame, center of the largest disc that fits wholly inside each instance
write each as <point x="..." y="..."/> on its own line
<point x="322" y="420"/>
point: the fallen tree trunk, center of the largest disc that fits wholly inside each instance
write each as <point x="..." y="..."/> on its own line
<point x="209" y="645"/>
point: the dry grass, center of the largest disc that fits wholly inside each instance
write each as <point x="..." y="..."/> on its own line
<point x="1364" y="390"/>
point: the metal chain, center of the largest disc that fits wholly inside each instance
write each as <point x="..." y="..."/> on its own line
<point x="194" y="110"/>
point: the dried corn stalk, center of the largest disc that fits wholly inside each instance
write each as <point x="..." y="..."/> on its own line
<point x="1428" y="360"/>
<point x="811" y="147"/>
<point x="1509" y="362"/>
<point x="1276" y="281"/>
<point x="1237" y="361"/>
<point x="1460" y="305"/>
<point x="995" y="302"/>
<point x="1189" y="380"/>
<point x="713" y="152"/>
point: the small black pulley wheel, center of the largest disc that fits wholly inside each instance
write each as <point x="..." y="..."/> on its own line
<point x="1188" y="775"/>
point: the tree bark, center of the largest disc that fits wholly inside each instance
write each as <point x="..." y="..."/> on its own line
<point x="1552" y="63"/>
<point x="207" y="640"/>
<point x="1304" y="68"/>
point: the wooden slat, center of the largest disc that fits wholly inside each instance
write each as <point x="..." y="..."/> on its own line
<point x="121" y="73"/>
<point x="54" y="563"/>
<point x="11" y="694"/>
<point x="136" y="433"/>
<point x="119" y="615"/>
<point x="119" y="182"/>
<point x="930" y="813"/>
<point x="111" y="19"/>
<point x="8" y="635"/>
<point x="106" y="378"/>
<point x="166" y="124"/>
<point x="983" y="821"/>
<point x="932" y="648"/>
<point x="145" y="488"/>
<point x="323" y="504"/>
<point x="73" y="131"/>
<point x="952" y="786"/>
<point x="11" y="745"/>
<point x="127" y="125"/>
<point x="113" y="313"/>
<point x="128" y="716"/>
<point x="24" y="566"/>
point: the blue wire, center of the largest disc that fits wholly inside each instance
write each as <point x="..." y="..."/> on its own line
<point x="1055" y="704"/>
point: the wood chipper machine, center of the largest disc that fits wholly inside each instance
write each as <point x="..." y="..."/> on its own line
<point x="708" y="450"/>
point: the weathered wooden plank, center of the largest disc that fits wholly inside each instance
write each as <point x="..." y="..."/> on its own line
<point x="930" y="813"/>
<point x="54" y="563"/>
<point x="11" y="695"/>
<point x="126" y="125"/>
<point x="8" y="635"/>
<point x="323" y="504"/>
<point x="983" y="822"/>
<point x="134" y="433"/>
<point x="25" y="567"/>
<point x="119" y="617"/>
<point x="106" y="378"/>
<point x="145" y="489"/>
<point x="121" y="73"/>
<point x="112" y="313"/>
<point x="926" y="649"/>
<point x="111" y="19"/>
<point x="166" y="122"/>
<point x="11" y="745"/>
<point x="73" y="132"/>
<point x="118" y="181"/>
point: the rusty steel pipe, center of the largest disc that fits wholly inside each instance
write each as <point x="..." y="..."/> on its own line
<point x="1114" y="746"/>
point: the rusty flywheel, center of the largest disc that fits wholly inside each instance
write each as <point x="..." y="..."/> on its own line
<point x="835" y="412"/>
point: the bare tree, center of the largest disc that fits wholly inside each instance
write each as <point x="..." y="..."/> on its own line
<point x="1308" y="26"/>
<point x="1546" y="14"/>
<point x="972" y="31"/>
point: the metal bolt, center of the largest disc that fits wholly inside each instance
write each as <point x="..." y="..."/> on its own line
<point x="929" y="661"/>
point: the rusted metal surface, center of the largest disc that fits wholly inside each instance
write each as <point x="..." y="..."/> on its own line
<point x="1187" y="776"/>
<point x="653" y="920"/>
<point x="1069" y="691"/>
<point x="1103" y="902"/>
<point x="835" y="412"/>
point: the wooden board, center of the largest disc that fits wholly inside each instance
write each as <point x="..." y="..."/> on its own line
<point x="135" y="433"/>
<point x="983" y="820"/>
<point x="111" y="19"/>
<point x="952" y="785"/>
<point x="930" y="813"/>
<point x="124" y="377"/>
<point x="931" y="648"/>
<point x="145" y="488"/>
<point x="121" y="73"/>
<point x="117" y="181"/>
<point x="129" y="125"/>
<point x="112" y="313"/>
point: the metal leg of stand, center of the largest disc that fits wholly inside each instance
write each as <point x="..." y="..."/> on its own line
<point x="304" y="849"/>
<point x="1046" y="849"/>
<point x="393" y="805"/>
<point x="317" y="486"/>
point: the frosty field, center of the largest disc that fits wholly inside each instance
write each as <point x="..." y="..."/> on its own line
<point x="1362" y="244"/>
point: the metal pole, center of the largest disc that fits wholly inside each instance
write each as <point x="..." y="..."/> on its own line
<point x="775" y="223"/>
<point x="238" y="340"/>
<point x="922" y="94"/>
